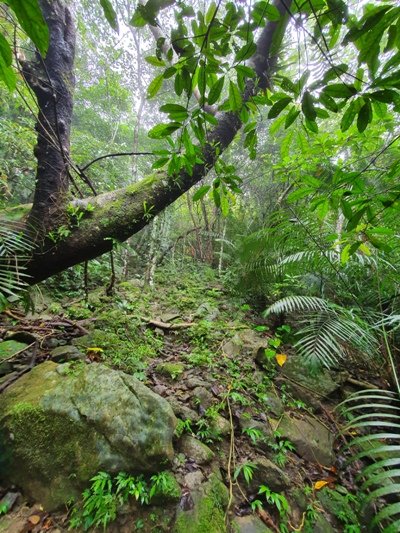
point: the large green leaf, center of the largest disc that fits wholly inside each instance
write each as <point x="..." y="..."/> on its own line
<point x="31" y="20"/>
<point x="235" y="98"/>
<point x="109" y="13"/>
<point x="7" y="74"/>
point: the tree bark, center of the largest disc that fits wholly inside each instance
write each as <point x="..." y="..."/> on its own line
<point x="117" y="215"/>
<point x="52" y="80"/>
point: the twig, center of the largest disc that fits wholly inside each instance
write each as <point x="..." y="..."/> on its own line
<point x="117" y="154"/>
<point x="167" y="325"/>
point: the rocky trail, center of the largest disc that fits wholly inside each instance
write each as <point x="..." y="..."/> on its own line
<point x="184" y="381"/>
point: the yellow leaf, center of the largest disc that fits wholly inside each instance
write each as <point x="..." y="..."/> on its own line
<point x="281" y="358"/>
<point x="94" y="349"/>
<point x="34" y="519"/>
<point x="319" y="484"/>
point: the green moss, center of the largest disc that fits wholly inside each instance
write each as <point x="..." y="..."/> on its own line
<point x="208" y="515"/>
<point x="169" y="491"/>
<point x="172" y="370"/>
<point x="42" y="446"/>
<point x="8" y="348"/>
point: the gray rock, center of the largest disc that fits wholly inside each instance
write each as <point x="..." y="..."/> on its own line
<point x="202" y="397"/>
<point x="60" y="424"/>
<point x="268" y="473"/>
<point x="322" y="525"/>
<point x="273" y="404"/>
<point x="181" y="410"/>
<point x="66" y="353"/>
<point x="249" y="524"/>
<point x="313" y="441"/>
<point x="210" y="501"/>
<point x="194" y="382"/>
<point x="220" y="425"/>
<point x="308" y="386"/>
<point x="196" y="450"/>
<point x="194" y="479"/>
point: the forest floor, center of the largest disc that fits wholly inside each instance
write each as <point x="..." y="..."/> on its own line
<point x="249" y="411"/>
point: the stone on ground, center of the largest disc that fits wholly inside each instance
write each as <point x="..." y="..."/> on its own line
<point x="313" y="441"/>
<point x="61" y="424"/>
<point x="208" y="513"/>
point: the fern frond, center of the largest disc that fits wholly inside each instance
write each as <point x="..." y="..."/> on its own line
<point x="297" y="303"/>
<point x="15" y="248"/>
<point x="381" y="478"/>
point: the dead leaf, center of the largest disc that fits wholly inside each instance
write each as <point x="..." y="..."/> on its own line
<point x="281" y="358"/>
<point x="34" y="519"/>
<point x="319" y="484"/>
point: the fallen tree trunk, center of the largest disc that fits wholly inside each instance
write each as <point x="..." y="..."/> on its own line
<point x="115" y="216"/>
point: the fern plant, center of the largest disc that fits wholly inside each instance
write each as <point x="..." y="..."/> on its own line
<point x="375" y="417"/>
<point x="15" y="248"/>
<point x="328" y="333"/>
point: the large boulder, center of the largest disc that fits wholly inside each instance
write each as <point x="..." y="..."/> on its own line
<point x="308" y="385"/>
<point x="60" y="424"/>
<point x="313" y="440"/>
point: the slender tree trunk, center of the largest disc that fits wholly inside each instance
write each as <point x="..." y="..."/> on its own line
<point x="52" y="80"/>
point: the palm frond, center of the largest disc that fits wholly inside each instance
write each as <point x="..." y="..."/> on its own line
<point x="297" y="303"/>
<point x="15" y="249"/>
<point x="379" y="442"/>
<point x="329" y="332"/>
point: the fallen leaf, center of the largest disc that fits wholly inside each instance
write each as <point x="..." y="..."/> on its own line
<point x="319" y="484"/>
<point x="34" y="519"/>
<point x="94" y="349"/>
<point x="281" y="358"/>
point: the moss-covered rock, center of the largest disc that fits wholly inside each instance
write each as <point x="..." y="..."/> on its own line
<point x="60" y="424"/>
<point x="208" y="513"/>
<point x="9" y="348"/>
<point x="171" y="370"/>
<point x="195" y="450"/>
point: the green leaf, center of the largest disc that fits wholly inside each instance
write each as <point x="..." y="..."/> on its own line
<point x="155" y="86"/>
<point x="364" y="116"/>
<point x="224" y="204"/>
<point x="291" y="116"/>
<point x="328" y="102"/>
<point x="173" y="108"/>
<point x="340" y="90"/>
<point x="279" y="106"/>
<point x="109" y="13"/>
<point x="30" y="17"/>
<point x="235" y="98"/>
<point x="215" y="91"/>
<point x="153" y="60"/>
<point x="245" y="52"/>
<point x="201" y="192"/>
<point x="163" y="130"/>
<point x="7" y="74"/>
<point x="355" y="219"/>
<point x="307" y="106"/>
<point x="386" y="96"/>
<point x="348" y="117"/>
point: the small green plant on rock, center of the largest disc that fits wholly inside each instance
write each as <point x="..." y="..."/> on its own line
<point x="101" y="501"/>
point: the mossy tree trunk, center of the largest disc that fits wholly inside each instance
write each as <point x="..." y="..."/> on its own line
<point x="114" y="216"/>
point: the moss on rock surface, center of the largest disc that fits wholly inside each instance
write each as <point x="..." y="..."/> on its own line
<point x="60" y="424"/>
<point x="208" y="514"/>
